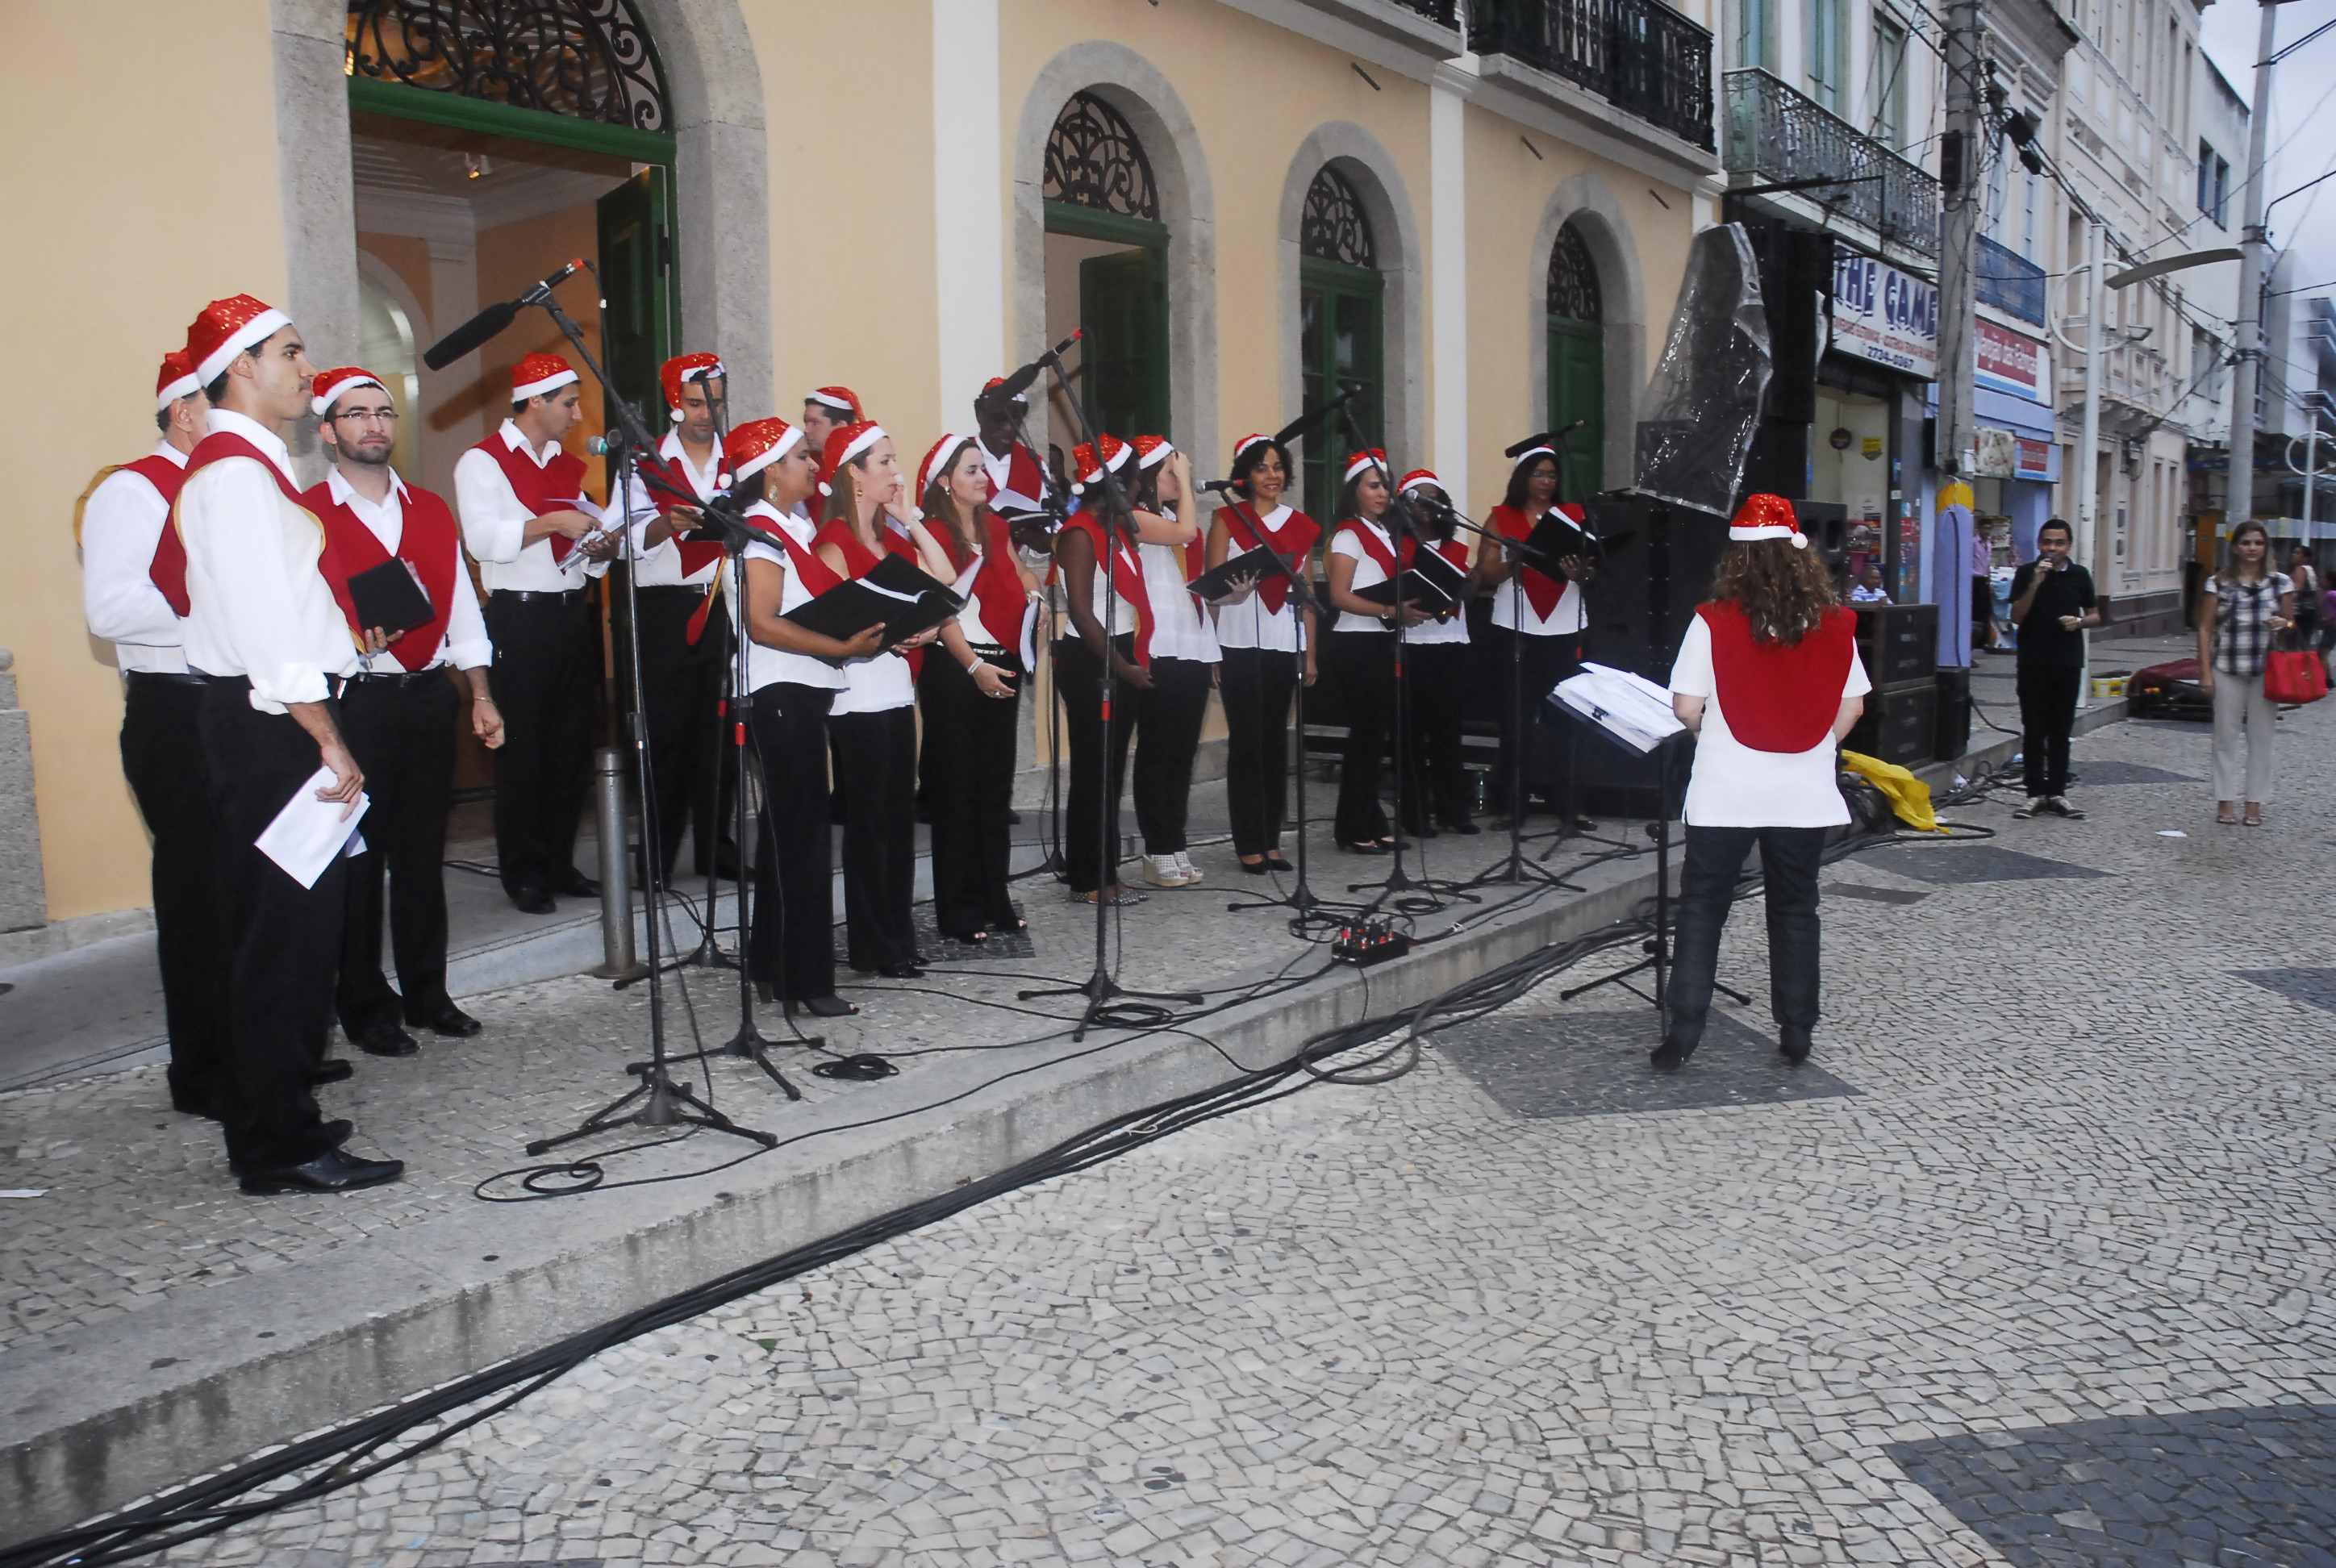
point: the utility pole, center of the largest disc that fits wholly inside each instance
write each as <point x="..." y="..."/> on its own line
<point x="2247" y="337"/>
<point x="1961" y="154"/>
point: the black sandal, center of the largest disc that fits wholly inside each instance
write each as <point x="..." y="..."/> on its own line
<point x="974" y="939"/>
<point x="827" y="1006"/>
<point x="1273" y="862"/>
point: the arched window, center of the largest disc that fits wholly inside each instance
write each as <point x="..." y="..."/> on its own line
<point x="588" y="59"/>
<point x="1341" y="315"/>
<point x="1102" y="217"/>
<point x="1577" y="362"/>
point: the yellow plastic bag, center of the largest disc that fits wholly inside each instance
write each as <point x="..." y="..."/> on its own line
<point x="1910" y="797"/>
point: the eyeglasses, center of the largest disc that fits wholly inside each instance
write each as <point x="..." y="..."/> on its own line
<point x="383" y="415"/>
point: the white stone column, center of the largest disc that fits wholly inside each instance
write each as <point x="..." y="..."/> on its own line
<point x="1448" y="286"/>
<point x="969" y="205"/>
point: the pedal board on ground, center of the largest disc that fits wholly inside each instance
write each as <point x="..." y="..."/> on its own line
<point x="1372" y="942"/>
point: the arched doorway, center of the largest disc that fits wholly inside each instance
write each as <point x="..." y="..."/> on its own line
<point x="1577" y="360"/>
<point x="1107" y="267"/>
<point x="1341" y="329"/>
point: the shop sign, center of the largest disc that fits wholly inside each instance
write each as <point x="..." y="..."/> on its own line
<point x="1884" y="315"/>
<point x="1995" y="453"/>
<point x="2035" y="461"/>
<point x="2013" y="362"/>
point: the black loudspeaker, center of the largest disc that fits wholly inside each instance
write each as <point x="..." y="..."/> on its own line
<point x="1898" y="725"/>
<point x="1656" y="566"/>
<point x="1797" y="293"/>
<point x="1898" y="643"/>
<point x="1954" y="715"/>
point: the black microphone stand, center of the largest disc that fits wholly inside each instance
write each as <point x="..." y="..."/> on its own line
<point x="657" y="1101"/>
<point x="1054" y="507"/>
<point x="1099" y="989"/>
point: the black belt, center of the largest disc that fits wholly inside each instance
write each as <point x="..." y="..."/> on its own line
<point x="167" y="677"/>
<point x="673" y="590"/>
<point x="528" y="596"/>
<point x="394" y="678"/>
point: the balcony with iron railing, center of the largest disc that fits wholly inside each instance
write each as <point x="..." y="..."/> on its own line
<point x="1640" y="55"/>
<point x="1430" y="27"/>
<point x="1777" y="136"/>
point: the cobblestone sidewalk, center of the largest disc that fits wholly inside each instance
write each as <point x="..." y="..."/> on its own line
<point x="2038" y="1273"/>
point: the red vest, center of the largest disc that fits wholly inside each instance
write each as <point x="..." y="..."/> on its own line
<point x="427" y="544"/>
<point x="1779" y="697"/>
<point x="1374" y="547"/>
<point x="1291" y="540"/>
<point x="213" y="447"/>
<point x="697" y="553"/>
<point x="1023" y="476"/>
<point x="817" y="576"/>
<point x="168" y="568"/>
<point x="1541" y="591"/>
<point x="1131" y="568"/>
<point x="859" y="561"/>
<point x="996" y="589"/>
<point x="554" y="487"/>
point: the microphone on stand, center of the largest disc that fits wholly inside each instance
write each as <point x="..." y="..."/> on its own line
<point x="1015" y="384"/>
<point x="1222" y="486"/>
<point x="483" y="326"/>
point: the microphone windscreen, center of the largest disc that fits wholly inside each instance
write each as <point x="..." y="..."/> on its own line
<point x="472" y="333"/>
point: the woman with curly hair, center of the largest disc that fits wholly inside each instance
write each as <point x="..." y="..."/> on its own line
<point x="1769" y="680"/>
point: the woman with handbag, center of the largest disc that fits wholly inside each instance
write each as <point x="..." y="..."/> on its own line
<point x="2252" y="606"/>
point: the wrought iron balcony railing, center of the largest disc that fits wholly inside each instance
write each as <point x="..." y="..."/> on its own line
<point x="1640" y="55"/>
<point x="1443" y="11"/>
<point x="2009" y="281"/>
<point x="1775" y="134"/>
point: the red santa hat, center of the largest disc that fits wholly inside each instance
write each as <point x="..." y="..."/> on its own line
<point x="176" y="379"/>
<point x="1364" y="461"/>
<point x="1767" y="517"/>
<point x="331" y="383"/>
<point x="1115" y="455"/>
<point x="226" y="328"/>
<point x="1415" y="479"/>
<point x="1152" y="450"/>
<point x="1531" y="455"/>
<point x="844" y="443"/>
<point x="753" y="448"/>
<point x="683" y="368"/>
<point x="1246" y="441"/>
<point x="939" y="461"/>
<point x="841" y="399"/>
<point x="539" y="373"/>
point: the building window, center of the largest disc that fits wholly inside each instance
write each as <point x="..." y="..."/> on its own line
<point x="587" y="59"/>
<point x="1341" y="330"/>
<point x="2214" y="184"/>
<point x="1093" y="160"/>
<point x="1826" y="51"/>
<point x="1753" y="25"/>
<point x="1577" y="364"/>
<point x="1334" y="228"/>
<point x="1889" y="81"/>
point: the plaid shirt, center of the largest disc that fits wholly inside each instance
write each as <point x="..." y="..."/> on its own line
<point x="2243" y="612"/>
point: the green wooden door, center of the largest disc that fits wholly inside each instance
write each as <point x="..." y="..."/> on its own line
<point x="1341" y="323"/>
<point x="1577" y="390"/>
<point x="641" y="319"/>
<point x="1124" y="346"/>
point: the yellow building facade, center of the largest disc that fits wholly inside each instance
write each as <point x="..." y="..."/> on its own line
<point x="859" y="193"/>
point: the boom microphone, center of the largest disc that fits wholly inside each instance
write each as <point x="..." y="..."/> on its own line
<point x="1015" y="384"/>
<point x="487" y="323"/>
<point x="1222" y="486"/>
<point x="1543" y="439"/>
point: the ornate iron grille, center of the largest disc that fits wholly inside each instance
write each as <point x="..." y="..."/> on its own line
<point x="1334" y="228"/>
<point x="1775" y="134"/>
<point x="1573" y="278"/>
<point x="587" y="59"/>
<point x="1093" y="160"/>
<point x="1640" y="55"/>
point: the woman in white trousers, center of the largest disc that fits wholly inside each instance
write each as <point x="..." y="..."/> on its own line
<point x="2252" y="605"/>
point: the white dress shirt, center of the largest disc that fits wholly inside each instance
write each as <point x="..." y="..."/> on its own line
<point x="494" y="522"/>
<point x="769" y="666"/>
<point x="465" y="644"/>
<point x="1180" y="623"/>
<point x="1368" y="573"/>
<point x="1250" y="624"/>
<point x="258" y="606"/>
<point x="661" y="567"/>
<point x="120" y="524"/>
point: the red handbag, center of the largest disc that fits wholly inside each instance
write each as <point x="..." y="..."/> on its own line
<point x="2294" y="675"/>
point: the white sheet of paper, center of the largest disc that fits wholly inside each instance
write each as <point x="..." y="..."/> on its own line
<point x="309" y="833"/>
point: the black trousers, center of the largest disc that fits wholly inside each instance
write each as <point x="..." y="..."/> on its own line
<point x="1364" y="662"/>
<point x="791" y="945"/>
<point x="284" y="939"/>
<point x="1436" y="676"/>
<point x="402" y="734"/>
<point x="1982" y="608"/>
<point x="1166" y="743"/>
<point x="681" y="694"/>
<point x="1256" y="684"/>
<point x="545" y="683"/>
<point x="163" y="757"/>
<point x="1098" y="759"/>
<point x="968" y="776"/>
<point x="1543" y="662"/>
<point x="1789" y="858"/>
<point x="877" y="753"/>
<point x="2048" y="713"/>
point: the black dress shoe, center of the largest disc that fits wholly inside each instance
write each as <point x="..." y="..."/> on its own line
<point x="827" y="1006"/>
<point x="385" y="1040"/>
<point x="1461" y="825"/>
<point x="449" y="1020"/>
<point x="579" y="886"/>
<point x="1670" y="1057"/>
<point x="533" y="902"/>
<point x="901" y="972"/>
<point x="333" y="1071"/>
<point x="330" y="1172"/>
<point x="1795" y="1043"/>
<point x="212" y="1107"/>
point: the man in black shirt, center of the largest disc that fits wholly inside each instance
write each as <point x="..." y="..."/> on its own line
<point x="2052" y="602"/>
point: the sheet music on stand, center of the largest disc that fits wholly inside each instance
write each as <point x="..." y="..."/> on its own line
<point x="1630" y="708"/>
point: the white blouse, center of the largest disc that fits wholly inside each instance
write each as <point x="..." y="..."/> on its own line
<point x="770" y="666"/>
<point x="1250" y="625"/>
<point x="1734" y="785"/>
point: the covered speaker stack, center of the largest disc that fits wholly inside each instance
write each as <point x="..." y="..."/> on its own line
<point x="1900" y="646"/>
